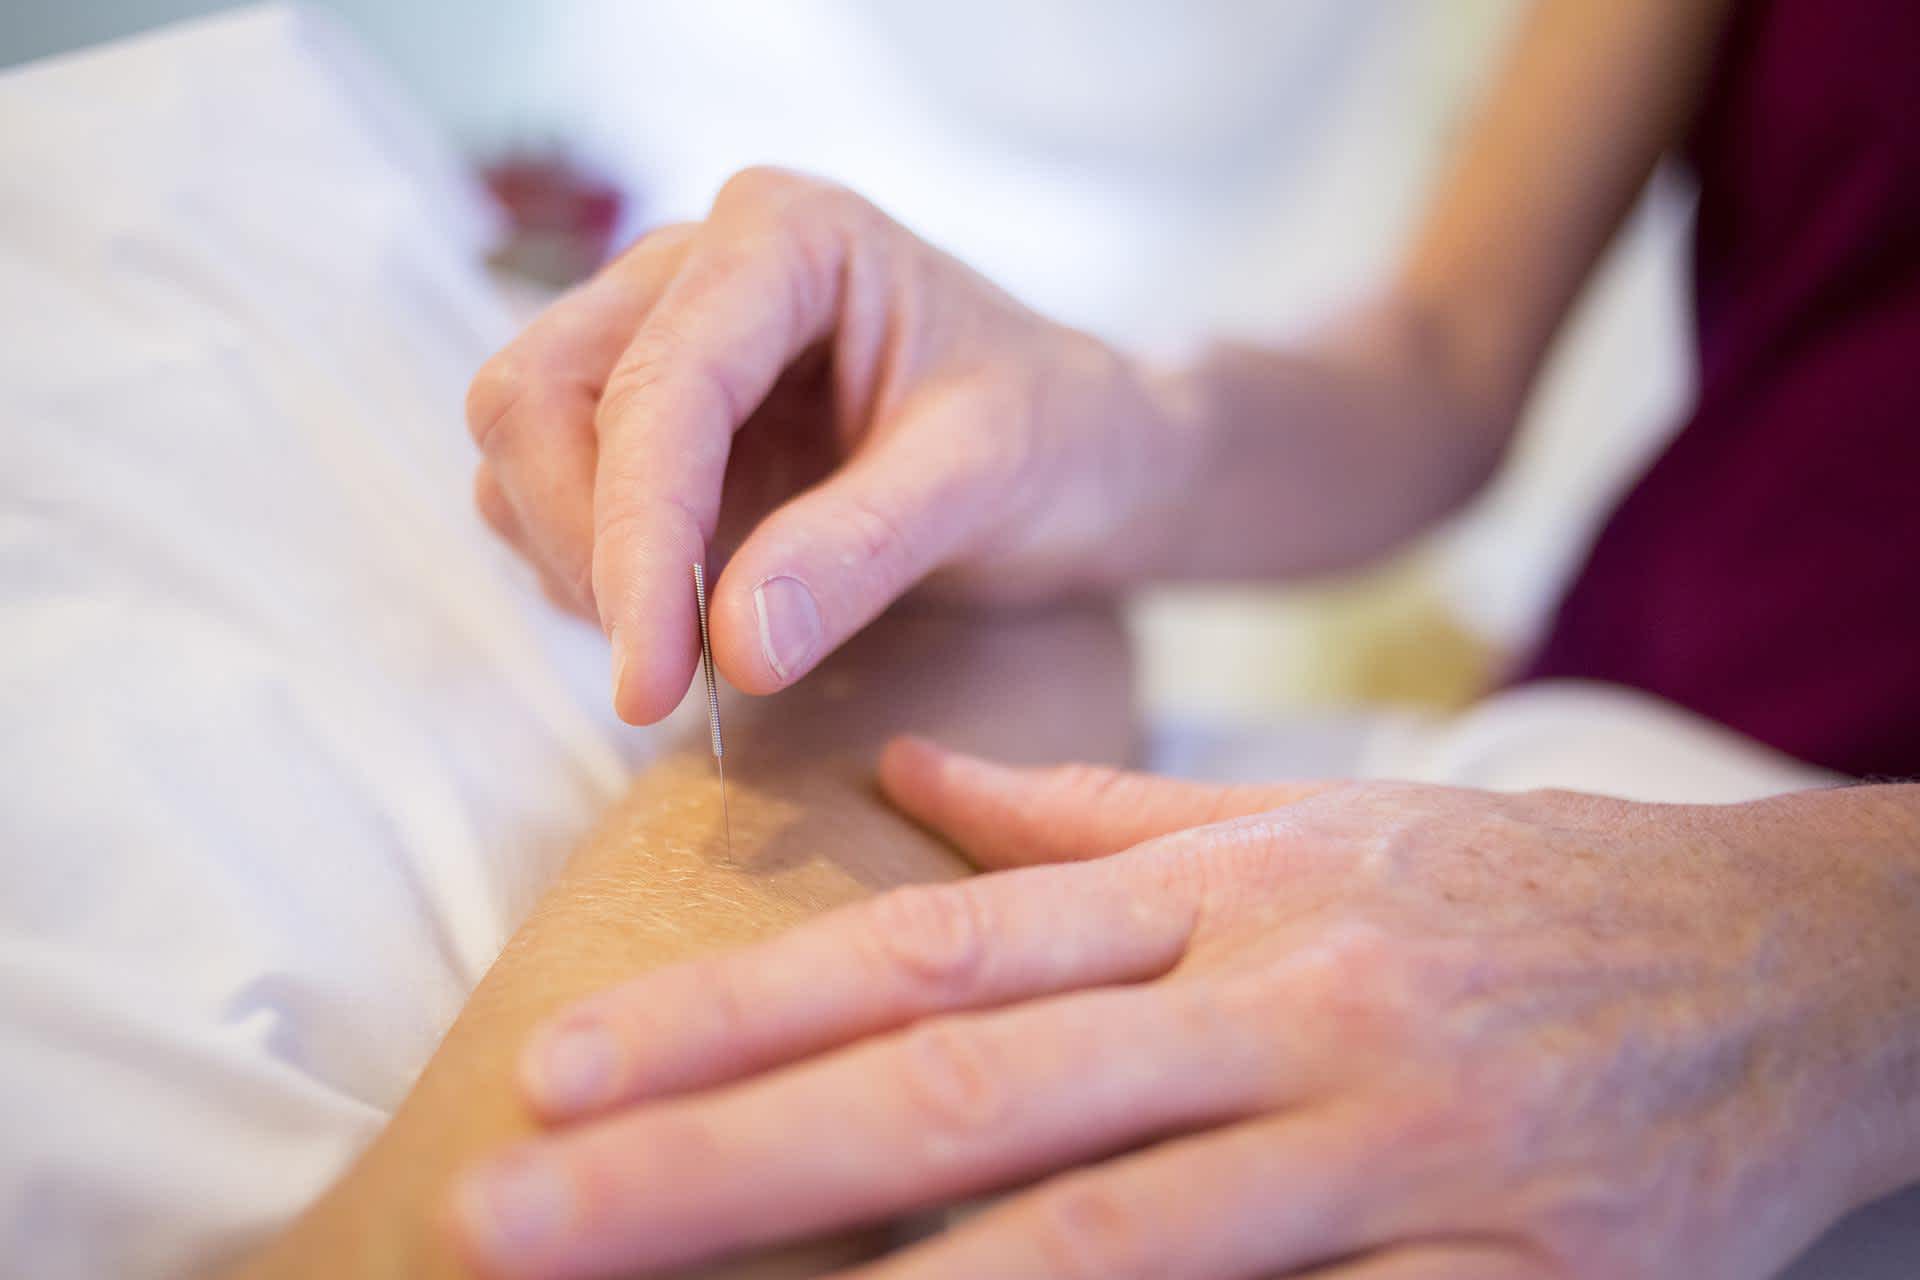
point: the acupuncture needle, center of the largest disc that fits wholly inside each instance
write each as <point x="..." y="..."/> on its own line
<point x="713" y="699"/>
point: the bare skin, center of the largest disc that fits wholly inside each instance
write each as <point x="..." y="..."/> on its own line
<point x="1382" y="1033"/>
<point x="1350" y="1032"/>
<point x="799" y="380"/>
<point x="654" y="886"/>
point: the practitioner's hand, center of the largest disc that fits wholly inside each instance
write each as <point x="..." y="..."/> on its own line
<point x="1384" y="1032"/>
<point x="800" y="376"/>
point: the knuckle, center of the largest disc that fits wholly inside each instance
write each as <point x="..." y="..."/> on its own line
<point x="621" y="402"/>
<point x="1226" y="1015"/>
<point x="1180" y="868"/>
<point x="832" y="203"/>
<point x="1357" y="976"/>
<point x="1357" y="953"/>
<point x="876" y="539"/>
<point x="768" y="190"/>
<point x="1085" y="783"/>
<point x="604" y="1176"/>
<point x="660" y="357"/>
<point x="933" y="936"/>
<point x="951" y="1083"/>
<point x="653" y="350"/>
<point x="1010" y="450"/>
<point x="788" y="232"/>
<point x="716" y="984"/>
<point x="1083" y="1230"/>
<point x="758" y="185"/>
<point x="496" y="389"/>
<point x="665" y="236"/>
<point x="1437" y="1124"/>
<point x="577" y="578"/>
<point x="626" y="524"/>
<point x="491" y="501"/>
<point x="561" y="595"/>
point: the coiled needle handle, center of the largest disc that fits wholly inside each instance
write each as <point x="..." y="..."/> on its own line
<point x="713" y="699"/>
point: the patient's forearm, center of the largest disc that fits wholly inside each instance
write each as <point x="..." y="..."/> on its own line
<point x="655" y="885"/>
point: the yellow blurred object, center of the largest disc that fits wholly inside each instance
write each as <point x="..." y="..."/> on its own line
<point x="1387" y="637"/>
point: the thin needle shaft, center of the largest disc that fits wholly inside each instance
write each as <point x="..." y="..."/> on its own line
<point x="713" y="699"/>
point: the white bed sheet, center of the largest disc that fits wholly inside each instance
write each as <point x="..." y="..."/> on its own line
<point x="285" y="741"/>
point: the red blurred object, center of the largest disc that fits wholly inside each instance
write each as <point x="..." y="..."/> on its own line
<point x="562" y="215"/>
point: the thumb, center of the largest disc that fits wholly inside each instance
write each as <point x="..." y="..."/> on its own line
<point x="1000" y="816"/>
<point x="833" y="558"/>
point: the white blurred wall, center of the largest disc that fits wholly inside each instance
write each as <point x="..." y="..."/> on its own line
<point x="1155" y="170"/>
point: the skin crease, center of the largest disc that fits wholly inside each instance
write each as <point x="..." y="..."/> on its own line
<point x="1379" y="1033"/>
<point x="1385" y="1029"/>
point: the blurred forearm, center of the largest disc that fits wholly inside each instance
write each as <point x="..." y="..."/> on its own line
<point x="1325" y="455"/>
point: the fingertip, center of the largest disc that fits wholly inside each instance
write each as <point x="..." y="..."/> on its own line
<point x="912" y="747"/>
<point x="508" y="1215"/>
<point x="454" y="1221"/>
<point x="571" y="1067"/>
<point x="941" y="778"/>
<point x="909" y="770"/>
<point x="645" y="688"/>
<point x="978" y="805"/>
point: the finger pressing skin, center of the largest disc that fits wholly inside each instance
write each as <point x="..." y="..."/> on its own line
<point x="861" y="970"/>
<point x="832" y="559"/>
<point x="531" y="406"/>
<point x="951" y="1108"/>
<point x="1264" y="1197"/>
<point x="1003" y="817"/>
<point x="761" y="283"/>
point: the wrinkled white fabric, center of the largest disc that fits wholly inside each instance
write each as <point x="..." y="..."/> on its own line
<point x="284" y="740"/>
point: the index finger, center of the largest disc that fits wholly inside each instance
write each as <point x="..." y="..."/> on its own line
<point x="864" y="969"/>
<point x="530" y="409"/>
<point x="759" y="285"/>
<point x="952" y="1108"/>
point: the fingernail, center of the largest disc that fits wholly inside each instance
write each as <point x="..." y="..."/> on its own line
<point x="575" y="1067"/>
<point x="516" y="1208"/>
<point x="789" y="624"/>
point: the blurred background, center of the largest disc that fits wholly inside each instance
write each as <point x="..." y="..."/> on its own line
<point x="1156" y="171"/>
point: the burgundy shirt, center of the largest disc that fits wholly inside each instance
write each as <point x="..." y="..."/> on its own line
<point x="1766" y="571"/>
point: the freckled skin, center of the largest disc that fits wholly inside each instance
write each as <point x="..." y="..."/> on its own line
<point x="1594" y="1038"/>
